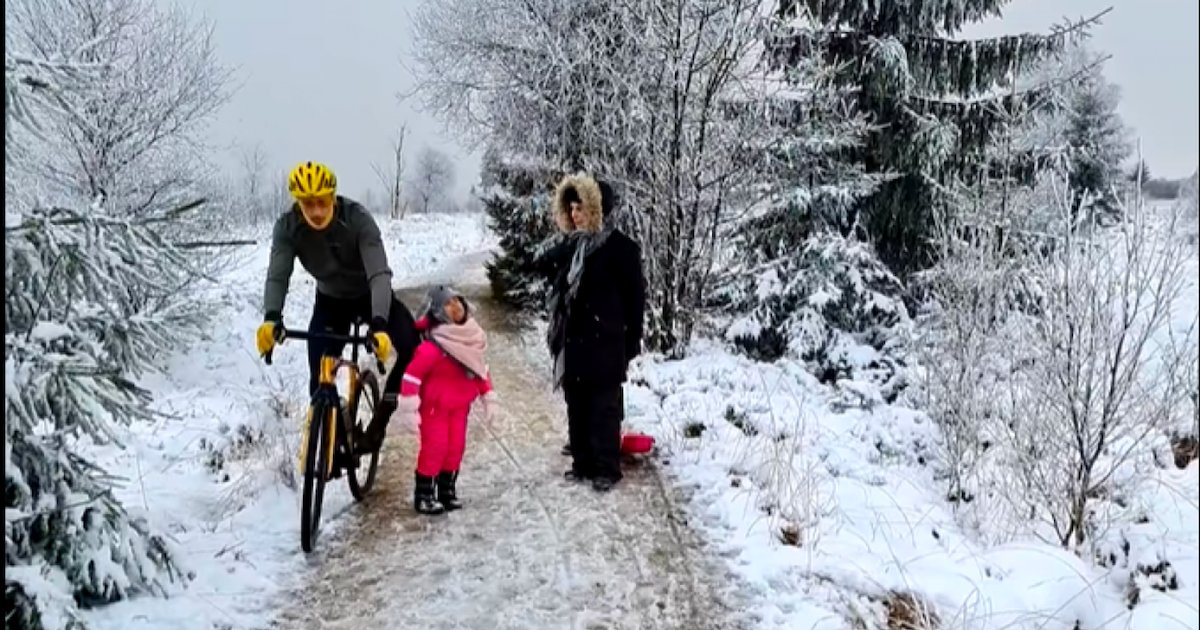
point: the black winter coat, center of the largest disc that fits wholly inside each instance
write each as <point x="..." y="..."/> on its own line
<point x="605" y="319"/>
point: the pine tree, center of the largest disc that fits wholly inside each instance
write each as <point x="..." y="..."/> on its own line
<point x="936" y="101"/>
<point x="1098" y="142"/>
<point x="516" y="196"/>
<point x="789" y="245"/>
<point x="1139" y="173"/>
<point x="90" y="299"/>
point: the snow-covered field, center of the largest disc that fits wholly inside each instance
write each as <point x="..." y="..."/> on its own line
<point x="820" y="498"/>
<point x="823" y="500"/>
<point x="825" y="509"/>
<point x="218" y="470"/>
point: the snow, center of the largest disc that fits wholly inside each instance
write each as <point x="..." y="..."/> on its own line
<point x="780" y="450"/>
<point x="772" y="453"/>
<point x="217" y="471"/>
<point x="765" y="452"/>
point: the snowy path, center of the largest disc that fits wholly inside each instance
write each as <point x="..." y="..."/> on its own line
<point x="529" y="550"/>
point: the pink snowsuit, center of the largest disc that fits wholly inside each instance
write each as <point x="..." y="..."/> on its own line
<point x="446" y="393"/>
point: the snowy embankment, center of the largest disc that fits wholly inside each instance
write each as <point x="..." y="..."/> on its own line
<point x="823" y="500"/>
<point x="218" y="470"/>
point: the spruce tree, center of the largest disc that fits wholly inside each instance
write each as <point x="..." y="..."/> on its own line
<point x="1098" y="142"/>
<point x="516" y="195"/>
<point x="936" y="101"/>
<point x="789" y="243"/>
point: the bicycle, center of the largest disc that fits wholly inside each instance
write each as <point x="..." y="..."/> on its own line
<point x="327" y="448"/>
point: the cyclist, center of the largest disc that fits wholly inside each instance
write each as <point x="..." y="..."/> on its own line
<point x="338" y="242"/>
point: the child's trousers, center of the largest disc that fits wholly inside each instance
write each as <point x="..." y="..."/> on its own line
<point x="443" y="439"/>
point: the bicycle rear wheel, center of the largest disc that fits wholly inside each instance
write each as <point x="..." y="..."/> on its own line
<point x="365" y="400"/>
<point x="316" y="467"/>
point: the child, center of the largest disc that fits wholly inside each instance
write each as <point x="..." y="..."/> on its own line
<point x="446" y="374"/>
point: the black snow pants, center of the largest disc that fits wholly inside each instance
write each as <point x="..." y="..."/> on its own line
<point x="594" y="415"/>
<point x="334" y="315"/>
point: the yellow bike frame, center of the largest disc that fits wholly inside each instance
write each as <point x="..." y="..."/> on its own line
<point x="327" y="377"/>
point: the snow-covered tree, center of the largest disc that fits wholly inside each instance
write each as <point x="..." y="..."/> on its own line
<point x="431" y="180"/>
<point x="392" y="176"/>
<point x="936" y="99"/>
<point x="795" y="284"/>
<point x="92" y="297"/>
<point x="1139" y="173"/>
<point x="1098" y="146"/>
<point x="1092" y="134"/>
<point x="133" y="136"/>
<point x="636" y="93"/>
<point x="516" y="197"/>
<point x="253" y="206"/>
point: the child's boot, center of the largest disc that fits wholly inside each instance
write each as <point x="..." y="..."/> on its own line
<point x="447" y="494"/>
<point x="424" y="501"/>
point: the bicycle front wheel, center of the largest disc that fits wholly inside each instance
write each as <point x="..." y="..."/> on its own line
<point x="316" y="470"/>
<point x="365" y="400"/>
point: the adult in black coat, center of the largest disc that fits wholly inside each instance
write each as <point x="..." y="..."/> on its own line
<point x="597" y="303"/>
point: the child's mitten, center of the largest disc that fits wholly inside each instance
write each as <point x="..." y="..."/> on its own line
<point x="407" y="413"/>
<point x="491" y="408"/>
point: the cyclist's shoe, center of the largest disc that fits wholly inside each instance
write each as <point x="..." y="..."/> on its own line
<point x="447" y="494"/>
<point x="424" y="501"/>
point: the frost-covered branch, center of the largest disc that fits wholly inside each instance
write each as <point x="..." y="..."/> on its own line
<point x="132" y="133"/>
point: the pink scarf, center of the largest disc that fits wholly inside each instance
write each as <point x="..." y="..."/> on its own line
<point x="465" y="342"/>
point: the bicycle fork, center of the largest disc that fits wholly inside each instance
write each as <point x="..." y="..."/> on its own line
<point x="330" y="430"/>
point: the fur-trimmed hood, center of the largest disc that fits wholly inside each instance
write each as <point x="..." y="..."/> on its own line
<point x="590" y="195"/>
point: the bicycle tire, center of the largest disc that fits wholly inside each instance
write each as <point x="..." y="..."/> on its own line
<point x="315" y="467"/>
<point x="366" y="392"/>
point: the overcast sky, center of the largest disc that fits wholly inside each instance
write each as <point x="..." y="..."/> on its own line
<point x="319" y="80"/>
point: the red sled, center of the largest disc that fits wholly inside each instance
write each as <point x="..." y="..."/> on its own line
<point x="636" y="443"/>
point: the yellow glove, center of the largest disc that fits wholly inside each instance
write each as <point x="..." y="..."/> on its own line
<point x="383" y="345"/>
<point x="265" y="337"/>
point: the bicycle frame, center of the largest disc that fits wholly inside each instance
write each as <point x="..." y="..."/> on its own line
<point x="327" y="392"/>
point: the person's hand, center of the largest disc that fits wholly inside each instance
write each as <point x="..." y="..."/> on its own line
<point x="268" y="334"/>
<point x="382" y="343"/>
<point x="491" y="408"/>
<point x="408" y="413"/>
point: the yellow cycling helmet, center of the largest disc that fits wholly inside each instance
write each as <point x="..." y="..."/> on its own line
<point x="311" y="179"/>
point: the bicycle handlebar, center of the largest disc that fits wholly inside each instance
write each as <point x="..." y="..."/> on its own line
<point x="367" y="341"/>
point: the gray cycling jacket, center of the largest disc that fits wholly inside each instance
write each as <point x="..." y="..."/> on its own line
<point x="347" y="258"/>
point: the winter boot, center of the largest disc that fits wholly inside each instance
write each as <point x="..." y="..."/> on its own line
<point x="424" y="501"/>
<point x="447" y="495"/>
<point x="575" y="476"/>
<point x="603" y="484"/>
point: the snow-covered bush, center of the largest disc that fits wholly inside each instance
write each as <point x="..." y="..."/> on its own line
<point x="92" y="298"/>
<point x="1083" y="383"/>
<point x="834" y="305"/>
